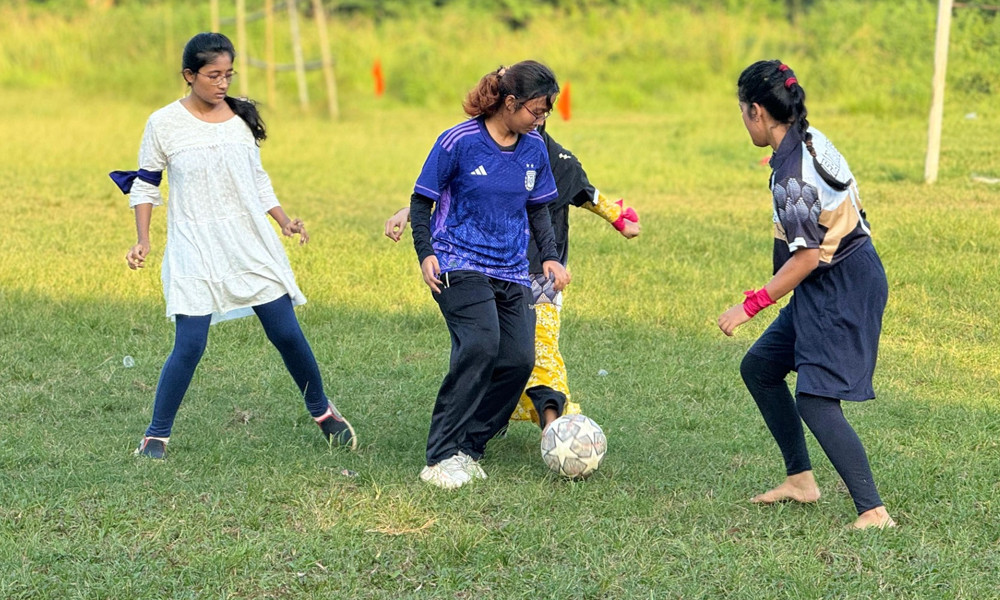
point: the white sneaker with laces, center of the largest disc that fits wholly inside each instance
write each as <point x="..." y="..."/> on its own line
<point x="447" y="474"/>
<point x="471" y="466"/>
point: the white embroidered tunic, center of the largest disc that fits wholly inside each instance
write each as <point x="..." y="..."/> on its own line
<point x="222" y="255"/>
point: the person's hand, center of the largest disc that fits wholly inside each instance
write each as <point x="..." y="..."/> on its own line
<point x="732" y="318"/>
<point x="136" y="256"/>
<point x="396" y="224"/>
<point x="432" y="273"/>
<point x="556" y="273"/>
<point x="294" y="226"/>
<point x="627" y="223"/>
<point x="630" y="229"/>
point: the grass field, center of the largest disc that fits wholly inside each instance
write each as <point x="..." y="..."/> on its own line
<point x="251" y="502"/>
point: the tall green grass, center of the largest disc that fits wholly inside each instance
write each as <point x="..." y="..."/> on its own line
<point x="252" y="504"/>
<point x="864" y="57"/>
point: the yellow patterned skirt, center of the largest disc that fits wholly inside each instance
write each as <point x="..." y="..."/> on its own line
<point x="549" y="370"/>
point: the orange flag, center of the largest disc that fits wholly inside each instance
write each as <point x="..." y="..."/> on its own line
<point x="379" y="81"/>
<point x="563" y="102"/>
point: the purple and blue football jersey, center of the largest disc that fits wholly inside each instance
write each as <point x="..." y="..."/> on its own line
<point x="481" y="194"/>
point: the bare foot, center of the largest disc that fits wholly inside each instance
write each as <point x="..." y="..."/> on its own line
<point x="800" y="487"/>
<point x="877" y="517"/>
<point x="550" y="415"/>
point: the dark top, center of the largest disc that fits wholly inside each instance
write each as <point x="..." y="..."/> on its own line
<point x="574" y="189"/>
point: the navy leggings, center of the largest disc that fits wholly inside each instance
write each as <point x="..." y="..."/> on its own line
<point x="282" y="329"/>
<point x="766" y="381"/>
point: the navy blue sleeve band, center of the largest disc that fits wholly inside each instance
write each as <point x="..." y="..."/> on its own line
<point x="125" y="179"/>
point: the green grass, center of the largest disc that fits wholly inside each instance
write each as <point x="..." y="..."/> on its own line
<point x="252" y="504"/>
<point x="860" y="56"/>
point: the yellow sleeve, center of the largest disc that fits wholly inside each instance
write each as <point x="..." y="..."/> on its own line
<point x="610" y="211"/>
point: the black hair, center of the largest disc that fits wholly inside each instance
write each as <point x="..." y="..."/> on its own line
<point x="203" y="49"/>
<point x="525" y="81"/>
<point x="773" y="85"/>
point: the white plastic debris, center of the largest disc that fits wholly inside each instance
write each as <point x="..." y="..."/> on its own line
<point x="602" y="373"/>
<point x="128" y="362"/>
<point x="985" y="179"/>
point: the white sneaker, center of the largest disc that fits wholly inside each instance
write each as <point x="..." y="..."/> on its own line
<point x="471" y="466"/>
<point x="447" y="474"/>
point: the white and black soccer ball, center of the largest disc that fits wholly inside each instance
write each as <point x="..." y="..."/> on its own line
<point x="574" y="446"/>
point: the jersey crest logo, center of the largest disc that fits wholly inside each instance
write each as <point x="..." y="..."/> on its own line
<point x="529" y="178"/>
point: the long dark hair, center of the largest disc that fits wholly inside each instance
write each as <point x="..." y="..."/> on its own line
<point x="773" y="85"/>
<point x="525" y="81"/>
<point x="203" y="49"/>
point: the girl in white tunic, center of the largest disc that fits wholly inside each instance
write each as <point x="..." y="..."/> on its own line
<point x="222" y="258"/>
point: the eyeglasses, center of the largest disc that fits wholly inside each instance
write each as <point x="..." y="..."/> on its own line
<point x="217" y="78"/>
<point x="538" y="117"/>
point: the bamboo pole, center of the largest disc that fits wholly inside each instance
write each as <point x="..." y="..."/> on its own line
<point x="173" y="57"/>
<point x="243" y="48"/>
<point x="272" y="94"/>
<point x="214" y="12"/>
<point x="324" y="46"/>
<point x="300" y="69"/>
<point x="937" y="91"/>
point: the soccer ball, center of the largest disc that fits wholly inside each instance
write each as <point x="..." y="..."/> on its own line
<point x="574" y="446"/>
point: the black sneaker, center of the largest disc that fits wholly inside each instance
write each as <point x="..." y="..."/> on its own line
<point x="336" y="428"/>
<point x="153" y="447"/>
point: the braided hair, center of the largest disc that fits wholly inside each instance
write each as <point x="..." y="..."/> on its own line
<point x="203" y="49"/>
<point x="525" y="81"/>
<point x="773" y="85"/>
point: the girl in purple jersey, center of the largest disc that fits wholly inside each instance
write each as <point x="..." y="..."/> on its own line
<point x="483" y="187"/>
<point x="222" y="259"/>
<point x="829" y="331"/>
<point x="547" y="395"/>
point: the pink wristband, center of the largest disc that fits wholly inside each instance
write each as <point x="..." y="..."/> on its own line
<point x="756" y="301"/>
<point x="627" y="214"/>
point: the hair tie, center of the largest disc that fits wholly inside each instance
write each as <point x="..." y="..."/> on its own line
<point x="789" y="82"/>
<point x="782" y="67"/>
<point x="501" y="71"/>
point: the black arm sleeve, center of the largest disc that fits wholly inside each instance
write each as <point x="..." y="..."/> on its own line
<point x="541" y="231"/>
<point x="420" y="221"/>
